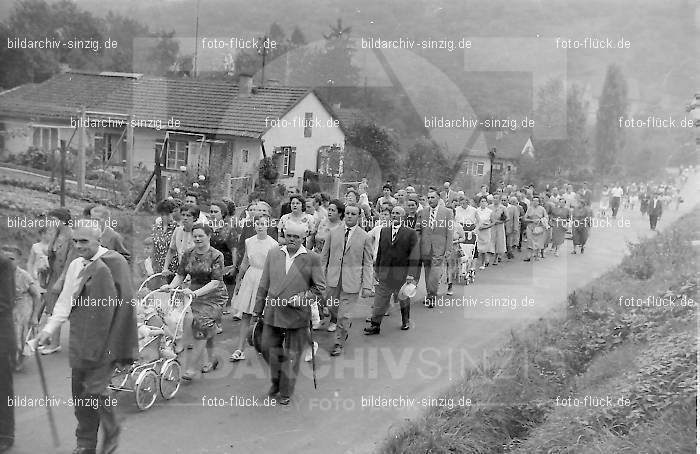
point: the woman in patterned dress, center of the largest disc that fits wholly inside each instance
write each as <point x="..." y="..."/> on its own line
<point x="559" y="217"/>
<point x="205" y="266"/>
<point x="27" y="303"/>
<point x="161" y="235"/>
<point x="256" y="249"/>
<point x="536" y="220"/>
<point x="181" y="239"/>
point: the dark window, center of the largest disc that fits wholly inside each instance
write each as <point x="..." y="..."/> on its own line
<point x="308" y="122"/>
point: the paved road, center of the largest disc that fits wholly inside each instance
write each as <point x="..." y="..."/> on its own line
<point x="414" y="364"/>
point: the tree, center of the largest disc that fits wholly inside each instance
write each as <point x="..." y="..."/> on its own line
<point x="38" y="20"/>
<point x="609" y="136"/>
<point x="378" y="143"/>
<point x="159" y="59"/>
<point x="298" y="39"/>
<point x="551" y="153"/>
<point x="338" y="31"/>
<point x="577" y="143"/>
<point x="425" y="163"/>
<point x="124" y="31"/>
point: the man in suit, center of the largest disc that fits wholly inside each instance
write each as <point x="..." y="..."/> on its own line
<point x="655" y="210"/>
<point x="7" y="353"/>
<point x="346" y="260"/>
<point x="396" y="264"/>
<point x="412" y="205"/>
<point x="97" y="297"/>
<point x="289" y="273"/>
<point x="109" y="238"/>
<point x="435" y="227"/>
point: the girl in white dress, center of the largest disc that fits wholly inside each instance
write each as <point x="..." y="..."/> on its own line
<point x="256" y="249"/>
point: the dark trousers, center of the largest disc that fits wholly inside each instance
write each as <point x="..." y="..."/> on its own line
<point x="615" y="205"/>
<point x="7" y="354"/>
<point x="653" y="219"/>
<point x="282" y="348"/>
<point x="382" y="299"/>
<point x="92" y="405"/>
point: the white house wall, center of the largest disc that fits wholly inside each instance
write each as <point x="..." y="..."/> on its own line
<point x="306" y="147"/>
<point x="19" y="135"/>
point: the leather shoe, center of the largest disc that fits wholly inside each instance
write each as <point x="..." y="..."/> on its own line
<point x="371" y="330"/>
<point x="283" y="400"/>
<point x="80" y="450"/>
<point x="337" y="351"/>
<point x="273" y="391"/>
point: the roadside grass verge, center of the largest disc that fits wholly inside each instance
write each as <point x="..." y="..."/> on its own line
<point x="605" y="344"/>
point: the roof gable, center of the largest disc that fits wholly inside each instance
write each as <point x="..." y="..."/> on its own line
<point x="211" y="107"/>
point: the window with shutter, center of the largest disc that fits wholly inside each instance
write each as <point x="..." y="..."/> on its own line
<point x="292" y="161"/>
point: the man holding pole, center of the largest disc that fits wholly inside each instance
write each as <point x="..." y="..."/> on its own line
<point x="97" y="297"/>
<point x="289" y="273"/>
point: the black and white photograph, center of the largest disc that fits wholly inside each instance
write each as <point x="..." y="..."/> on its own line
<point x="352" y="227"/>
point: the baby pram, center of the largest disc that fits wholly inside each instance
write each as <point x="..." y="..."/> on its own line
<point x="153" y="374"/>
<point x="466" y="259"/>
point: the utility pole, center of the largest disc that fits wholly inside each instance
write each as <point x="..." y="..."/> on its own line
<point x="492" y="156"/>
<point x="63" y="173"/>
<point x="196" y="41"/>
<point x="263" y="51"/>
<point x="82" y="140"/>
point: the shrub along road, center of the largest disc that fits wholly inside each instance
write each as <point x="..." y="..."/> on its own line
<point x="225" y="410"/>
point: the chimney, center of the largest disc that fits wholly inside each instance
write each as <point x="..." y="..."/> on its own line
<point x="245" y="85"/>
<point x="273" y="83"/>
<point x="336" y="106"/>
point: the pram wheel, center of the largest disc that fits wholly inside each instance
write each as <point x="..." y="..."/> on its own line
<point x="169" y="379"/>
<point x="146" y="389"/>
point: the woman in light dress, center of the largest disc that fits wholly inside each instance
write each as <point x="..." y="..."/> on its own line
<point x="484" y="224"/>
<point x="256" y="249"/>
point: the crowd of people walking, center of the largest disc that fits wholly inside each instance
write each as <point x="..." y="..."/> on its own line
<point x="286" y="276"/>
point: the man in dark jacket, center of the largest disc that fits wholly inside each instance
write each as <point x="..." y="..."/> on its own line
<point x="97" y="297"/>
<point x="655" y="210"/>
<point x="7" y="353"/>
<point x="396" y="263"/>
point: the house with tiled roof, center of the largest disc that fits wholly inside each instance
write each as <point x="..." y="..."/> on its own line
<point x="475" y="162"/>
<point x="208" y="127"/>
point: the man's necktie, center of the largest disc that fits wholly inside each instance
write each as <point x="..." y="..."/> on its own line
<point x="345" y="241"/>
<point x="394" y="232"/>
<point x="433" y="218"/>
